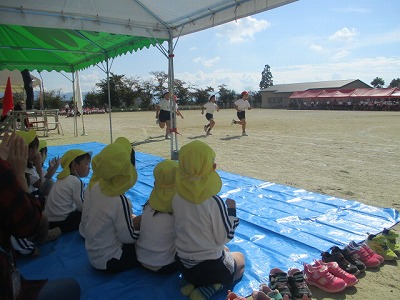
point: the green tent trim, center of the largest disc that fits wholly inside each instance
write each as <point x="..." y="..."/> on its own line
<point x="50" y="49"/>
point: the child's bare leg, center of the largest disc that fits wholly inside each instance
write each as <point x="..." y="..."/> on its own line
<point x="239" y="259"/>
<point x="243" y="122"/>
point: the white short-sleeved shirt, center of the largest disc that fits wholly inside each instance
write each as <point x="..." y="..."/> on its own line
<point x="164" y="104"/>
<point x="242" y="104"/>
<point x="210" y="107"/>
<point x="155" y="247"/>
<point x="65" y="196"/>
<point x="33" y="177"/>
<point x="106" y="224"/>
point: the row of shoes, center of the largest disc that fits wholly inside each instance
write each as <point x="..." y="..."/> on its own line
<point x="338" y="268"/>
<point x="264" y="293"/>
<point x="336" y="271"/>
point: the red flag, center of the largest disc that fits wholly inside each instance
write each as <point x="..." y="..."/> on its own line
<point x="8" y="103"/>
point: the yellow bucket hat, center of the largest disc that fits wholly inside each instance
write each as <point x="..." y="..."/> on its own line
<point x="42" y="144"/>
<point x="67" y="159"/>
<point x="28" y="136"/>
<point x="197" y="179"/>
<point x="113" y="168"/>
<point x="164" y="186"/>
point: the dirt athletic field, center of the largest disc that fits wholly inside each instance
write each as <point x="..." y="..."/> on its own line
<point x="352" y="155"/>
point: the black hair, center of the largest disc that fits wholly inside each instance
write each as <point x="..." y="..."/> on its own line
<point x="43" y="151"/>
<point x="79" y="158"/>
<point x="32" y="145"/>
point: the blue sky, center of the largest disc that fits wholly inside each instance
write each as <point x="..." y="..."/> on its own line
<point x="305" y="41"/>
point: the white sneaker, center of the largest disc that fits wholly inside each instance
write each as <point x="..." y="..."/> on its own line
<point x="205" y="128"/>
<point x="244" y="133"/>
<point x="233" y="121"/>
<point x="167" y="137"/>
<point x="157" y="121"/>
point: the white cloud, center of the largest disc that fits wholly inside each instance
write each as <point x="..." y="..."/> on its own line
<point x="340" y="54"/>
<point x="364" y="69"/>
<point x="242" y="30"/>
<point x="344" y="34"/>
<point x="317" y="48"/>
<point x="207" y="62"/>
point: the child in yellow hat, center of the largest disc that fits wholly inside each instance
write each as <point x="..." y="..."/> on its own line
<point x="65" y="200"/>
<point x="155" y="248"/>
<point x="108" y="226"/>
<point x="47" y="182"/>
<point x="34" y="177"/>
<point x="204" y="223"/>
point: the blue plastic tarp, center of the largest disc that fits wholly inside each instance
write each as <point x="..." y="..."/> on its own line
<point x="280" y="226"/>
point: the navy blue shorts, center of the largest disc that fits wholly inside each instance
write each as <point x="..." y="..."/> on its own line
<point x="241" y="115"/>
<point x="209" y="116"/>
<point x="164" y="116"/>
<point x="221" y="270"/>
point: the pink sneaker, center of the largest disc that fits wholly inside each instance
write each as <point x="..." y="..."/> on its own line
<point x="369" y="258"/>
<point x="372" y="252"/>
<point x="320" y="277"/>
<point x="334" y="269"/>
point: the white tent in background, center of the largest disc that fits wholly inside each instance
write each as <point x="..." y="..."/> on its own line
<point x="17" y="83"/>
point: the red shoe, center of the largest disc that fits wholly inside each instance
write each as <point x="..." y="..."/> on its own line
<point x="372" y="252"/>
<point x="233" y="296"/>
<point x="320" y="277"/>
<point x="334" y="269"/>
<point x="365" y="254"/>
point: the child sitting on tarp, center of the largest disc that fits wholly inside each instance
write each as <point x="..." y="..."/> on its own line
<point x="47" y="182"/>
<point x="203" y="224"/>
<point x="108" y="225"/>
<point x="34" y="176"/>
<point x="155" y="248"/>
<point x="65" y="200"/>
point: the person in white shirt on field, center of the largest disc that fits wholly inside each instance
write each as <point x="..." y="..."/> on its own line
<point x="209" y="107"/>
<point x="163" y="113"/>
<point x="240" y="105"/>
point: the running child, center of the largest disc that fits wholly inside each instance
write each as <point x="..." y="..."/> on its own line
<point x="240" y="105"/>
<point x="210" y="107"/>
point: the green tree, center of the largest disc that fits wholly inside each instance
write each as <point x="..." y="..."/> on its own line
<point x="395" y="83"/>
<point x="266" y="78"/>
<point x="182" y="91"/>
<point x="161" y="79"/>
<point x="225" y="95"/>
<point x="92" y="99"/>
<point x="51" y="100"/>
<point x="200" y="96"/>
<point x="378" y="82"/>
<point x="255" y="98"/>
<point x="120" y="91"/>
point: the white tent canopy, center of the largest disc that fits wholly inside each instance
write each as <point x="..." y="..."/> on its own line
<point x="163" y="19"/>
<point x="155" y="20"/>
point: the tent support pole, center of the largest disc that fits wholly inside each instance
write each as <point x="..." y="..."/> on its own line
<point x="74" y="106"/>
<point x="173" y="131"/>
<point x="109" y="97"/>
